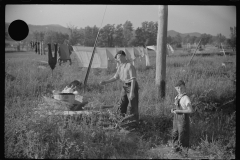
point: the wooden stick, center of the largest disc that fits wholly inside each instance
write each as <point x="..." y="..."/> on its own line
<point x="194" y="52"/>
<point x="90" y="63"/>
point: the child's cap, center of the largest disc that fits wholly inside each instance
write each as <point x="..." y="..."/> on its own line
<point x="179" y="83"/>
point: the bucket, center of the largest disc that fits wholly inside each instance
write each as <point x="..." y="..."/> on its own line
<point x="67" y="97"/>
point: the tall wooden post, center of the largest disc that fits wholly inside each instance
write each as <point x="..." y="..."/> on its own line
<point x="161" y="51"/>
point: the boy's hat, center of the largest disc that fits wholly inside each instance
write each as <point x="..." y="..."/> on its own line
<point x="120" y="52"/>
<point x="179" y="83"/>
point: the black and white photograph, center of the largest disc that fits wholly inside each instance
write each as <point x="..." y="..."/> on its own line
<point x="104" y="81"/>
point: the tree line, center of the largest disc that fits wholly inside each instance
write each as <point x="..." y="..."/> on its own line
<point x="124" y="35"/>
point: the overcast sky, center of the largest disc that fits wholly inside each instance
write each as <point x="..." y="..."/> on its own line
<point x="184" y="19"/>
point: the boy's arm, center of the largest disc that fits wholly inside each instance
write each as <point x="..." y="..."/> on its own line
<point x="111" y="80"/>
<point x="114" y="78"/>
<point x="188" y="109"/>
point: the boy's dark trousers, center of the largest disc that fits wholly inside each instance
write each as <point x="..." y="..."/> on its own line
<point x="124" y="101"/>
<point x="181" y="129"/>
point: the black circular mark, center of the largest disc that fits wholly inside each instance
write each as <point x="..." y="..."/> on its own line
<point x="145" y="0"/>
<point x="18" y="30"/>
<point x="204" y="0"/>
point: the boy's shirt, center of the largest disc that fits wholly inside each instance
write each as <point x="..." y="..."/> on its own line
<point x="123" y="73"/>
<point x="184" y="101"/>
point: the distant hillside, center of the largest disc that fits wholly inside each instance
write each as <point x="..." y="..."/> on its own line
<point x="42" y="28"/>
<point x="173" y="33"/>
<point x="59" y="28"/>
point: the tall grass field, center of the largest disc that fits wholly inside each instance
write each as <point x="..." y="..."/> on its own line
<point x="210" y="87"/>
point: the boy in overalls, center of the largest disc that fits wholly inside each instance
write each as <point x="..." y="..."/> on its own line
<point x="180" y="134"/>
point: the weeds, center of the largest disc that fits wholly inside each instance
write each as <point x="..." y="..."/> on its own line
<point x="30" y="136"/>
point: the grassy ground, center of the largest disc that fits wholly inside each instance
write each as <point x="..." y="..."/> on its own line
<point x="209" y="86"/>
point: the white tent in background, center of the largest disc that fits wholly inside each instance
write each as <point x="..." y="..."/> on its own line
<point x="152" y="48"/>
<point x="104" y="57"/>
<point x="169" y="48"/>
<point x="84" y="55"/>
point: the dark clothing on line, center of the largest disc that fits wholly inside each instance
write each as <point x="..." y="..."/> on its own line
<point x="181" y="128"/>
<point x="60" y="61"/>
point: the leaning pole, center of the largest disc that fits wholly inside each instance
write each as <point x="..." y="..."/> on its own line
<point x="161" y="51"/>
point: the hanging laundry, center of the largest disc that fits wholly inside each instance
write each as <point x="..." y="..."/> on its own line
<point x="36" y="47"/>
<point x="146" y="56"/>
<point x="64" y="52"/>
<point x="84" y="54"/>
<point x="52" y="61"/>
<point x="105" y="57"/>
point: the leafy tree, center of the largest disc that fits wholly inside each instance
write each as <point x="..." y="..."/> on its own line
<point x="106" y="36"/>
<point x="192" y="39"/>
<point x="211" y="39"/>
<point x="55" y="37"/>
<point x="49" y="37"/>
<point x="186" y="39"/>
<point x="232" y="40"/>
<point x="177" y="40"/>
<point x="220" y="39"/>
<point x="138" y="39"/>
<point x="169" y="40"/>
<point x="90" y="35"/>
<point x="36" y="35"/>
<point x="205" y="39"/>
<point x="127" y="33"/>
<point x="132" y="42"/>
<point x="152" y="33"/>
<point x="75" y="34"/>
<point x="197" y="40"/>
<point x="81" y="37"/>
<point x="41" y="36"/>
<point x="150" y="30"/>
<point x="118" y="36"/>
